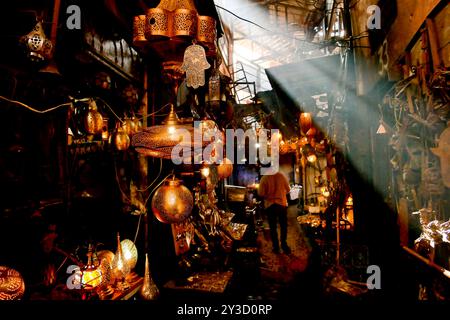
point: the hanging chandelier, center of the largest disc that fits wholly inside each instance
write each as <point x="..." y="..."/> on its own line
<point x="174" y="19"/>
<point x="158" y="141"/>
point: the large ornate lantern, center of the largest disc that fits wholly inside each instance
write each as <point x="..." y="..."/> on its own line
<point x="173" y="19"/>
<point x="172" y="202"/>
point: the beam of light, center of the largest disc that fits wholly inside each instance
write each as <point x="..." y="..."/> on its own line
<point x="272" y="44"/>
<point x="275" y="45"/>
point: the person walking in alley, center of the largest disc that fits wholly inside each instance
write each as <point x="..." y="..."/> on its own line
<point x="273" y="189"/>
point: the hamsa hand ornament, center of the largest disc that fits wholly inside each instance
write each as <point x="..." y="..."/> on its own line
<point x="195" y="64"/>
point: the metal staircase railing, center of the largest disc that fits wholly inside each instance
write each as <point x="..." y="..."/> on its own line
<point x="241" y="87"/>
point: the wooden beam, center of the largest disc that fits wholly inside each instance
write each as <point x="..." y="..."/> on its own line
<point x="434" y="44"/>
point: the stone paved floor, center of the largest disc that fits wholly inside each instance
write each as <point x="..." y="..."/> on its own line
<point x="279" y="271"/>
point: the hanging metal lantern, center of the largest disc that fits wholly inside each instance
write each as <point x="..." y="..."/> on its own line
<point x="184" y="22"/>
<point x="120" y="139"/>
<point x="172" y="202"/>
<point x="214" y="95"/>
<point x="158" y="141"/>
<point x="206" y="30"/>
<point x="225" y="169"/>
<point x="129" y="126"/>
<point x="37" y="44"/>
<point x="93" y="122"/>
<point x="157" y="24"/>
<point x="305" y="122"/>
<point x="139" y="30"/>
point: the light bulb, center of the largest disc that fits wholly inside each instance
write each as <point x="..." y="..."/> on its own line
<point x="312" y="158"/>
<point x="204" y="171"/>
<point x="349" y="201"/>
<point x="171" y="199"/>
<point x="325" y="192"/>
<point x="171" y="130"/>
<point x="257" y="145"/>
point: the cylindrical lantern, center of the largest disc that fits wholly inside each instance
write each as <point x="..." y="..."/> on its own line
<point x="305" y="122"/>
<point x="139" y="30"/>
<point x="184" y="22"/>
<point x="206" y="29"/>
<point x="158" y="24"/>
<point x="93" y="122"/>
<point x="172" y="202"/>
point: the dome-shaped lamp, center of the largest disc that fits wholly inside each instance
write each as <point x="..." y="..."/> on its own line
<point x="172" y="202"/>
<point x="159" y="140"/>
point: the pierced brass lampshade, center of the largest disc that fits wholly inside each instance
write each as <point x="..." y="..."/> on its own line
<point x="120" y="268"/>
<point x="130" y="253"/>
<point x="12" y="286"/>
<point x="173" y="19"/>
<point x="309" y="152"/>
<point x="91" y="277"/>
<point x="149" y="290"/>
<point x="158" y="141"/>
<point x="172" y="202"/>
